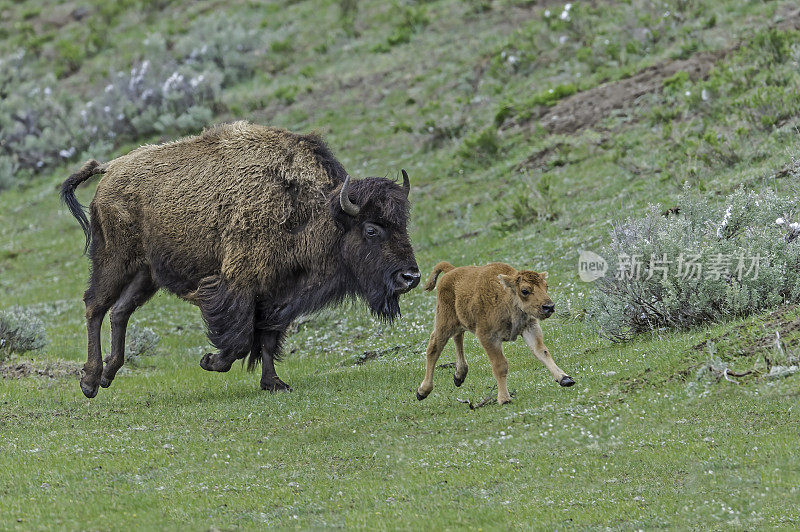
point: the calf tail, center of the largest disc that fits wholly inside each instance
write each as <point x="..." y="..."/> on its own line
<point x="439" y="268"/>
<point x="89" y="169"/>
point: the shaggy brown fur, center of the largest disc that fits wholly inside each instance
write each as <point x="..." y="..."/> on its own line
<point x="496" y="303"/>
<point x="244" y="221"/>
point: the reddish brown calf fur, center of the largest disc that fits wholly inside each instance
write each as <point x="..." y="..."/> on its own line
<point x="496" y="303"/>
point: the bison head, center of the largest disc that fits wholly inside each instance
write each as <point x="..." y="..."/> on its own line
<point x="373" y="214"/>
<point x="529" y="289"/>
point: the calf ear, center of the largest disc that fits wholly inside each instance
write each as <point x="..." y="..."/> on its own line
<point x="544" y="275"/>
<point x="508" y="280"/>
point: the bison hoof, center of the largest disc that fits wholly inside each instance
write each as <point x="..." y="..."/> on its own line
<point x="566" y="381"/>
<point x="105" y="382"/>
<point x="276" y="386"/>
<point x="89" y="390"/>
<point x="458" y="382"/>
<point x="211" y="362"/>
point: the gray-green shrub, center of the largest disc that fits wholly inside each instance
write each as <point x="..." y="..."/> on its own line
<point x="173" y="90"/>
<point x="20" y="331"/>
<point x="748" y="225"/>
<point x="140" y="341"/>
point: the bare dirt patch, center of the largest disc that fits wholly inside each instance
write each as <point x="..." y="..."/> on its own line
<point x="748" y="339"/>
<point x="589" y="107"/>
<point x="53" y="369"/>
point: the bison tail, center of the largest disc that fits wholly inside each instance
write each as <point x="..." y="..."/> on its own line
<point x="442" y="267"/>
<point x="89" y="169"/>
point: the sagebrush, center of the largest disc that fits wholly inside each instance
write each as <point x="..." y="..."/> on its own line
<point x="708" y="263"/>
<point x="20" y="331"/>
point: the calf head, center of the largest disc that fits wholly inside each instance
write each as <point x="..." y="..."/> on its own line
<point x="529" y="291"/>
<point x="376" y="250"/>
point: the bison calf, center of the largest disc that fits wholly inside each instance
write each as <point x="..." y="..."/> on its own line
<point x="496" y="303"/>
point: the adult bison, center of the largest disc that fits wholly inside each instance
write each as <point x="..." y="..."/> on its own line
<point x="254" y="225"/>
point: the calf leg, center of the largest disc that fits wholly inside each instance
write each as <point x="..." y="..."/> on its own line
<point x="461" y="362"/>
<point x="138" y="291"/>
<point x="435" y="346"/>
<point x="534" y="338"/>
<point x="269" y="344"/>
<point x="494" y="349"/>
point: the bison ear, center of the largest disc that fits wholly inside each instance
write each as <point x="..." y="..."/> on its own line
<point x="508" y="280"/>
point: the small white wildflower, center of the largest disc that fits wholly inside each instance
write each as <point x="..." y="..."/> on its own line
<point x="724" y="223"/>
<point x="704" y="95"/>
<point x="688" y="93"/>
<point x="66" y="154"/>
<point x="567" y="7"/>
<point x="780" y="221"/>
<point x="109" y="87"/>
<point x="562" y="39"/>
<point x="107" y="109"/>
<point x="546" y="13"/>
<point x="47" y="91"/>
<point x="564" y="15"/>
<point x="512" y="59"/>
<point x="794" y="226"/>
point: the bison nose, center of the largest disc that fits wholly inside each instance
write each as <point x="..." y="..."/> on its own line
<point x="407" y="279"/>
<point x="549" y="308"/>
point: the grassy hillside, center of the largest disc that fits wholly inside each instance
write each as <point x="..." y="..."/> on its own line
<point x="528" y="129"/>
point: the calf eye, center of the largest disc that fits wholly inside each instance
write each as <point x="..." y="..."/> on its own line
<point x="525" y="291"/>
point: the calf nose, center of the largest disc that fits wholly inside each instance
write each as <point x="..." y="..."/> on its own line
<point x="549" y="308"/>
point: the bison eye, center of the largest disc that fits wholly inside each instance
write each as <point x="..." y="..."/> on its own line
<point x="525" y="291"/>
<point x="373" y="231"/>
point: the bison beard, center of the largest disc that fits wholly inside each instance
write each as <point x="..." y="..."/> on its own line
<point x="256" y="226"/>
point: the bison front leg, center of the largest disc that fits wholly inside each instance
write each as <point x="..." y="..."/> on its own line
<point x="534" y="338"/>
<point x="220" y="362"/>
<point x="269" y="342"/>
<point x="229" y="314"/>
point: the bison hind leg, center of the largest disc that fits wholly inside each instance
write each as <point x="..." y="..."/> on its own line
<point x="135" y="294"/>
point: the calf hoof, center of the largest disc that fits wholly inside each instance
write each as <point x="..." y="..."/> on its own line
<point x="458" y="382"/>
<point x="420" y="397"/>
<point x="566" y="381"/>
<point x="504" y="401"/>
<point x="276" y="386"/>
<point x="89" y="390"/>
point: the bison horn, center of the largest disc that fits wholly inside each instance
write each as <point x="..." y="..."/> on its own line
<point x="406" y="183"/>
<point x="344" y="199"/>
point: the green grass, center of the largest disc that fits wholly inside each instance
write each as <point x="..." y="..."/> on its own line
<point x="641" y="441"/>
